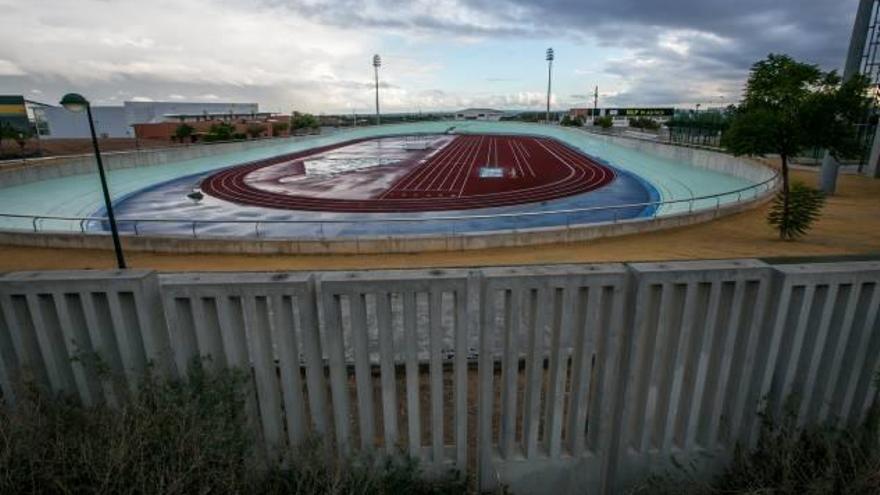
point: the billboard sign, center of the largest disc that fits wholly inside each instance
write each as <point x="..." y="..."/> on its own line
<point x="646" y="112"/>
<point x="13" y="112"/>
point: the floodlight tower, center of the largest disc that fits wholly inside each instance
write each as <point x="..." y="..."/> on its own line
<point x="596" y="103"/>
<point x="858" y="60"/>
<point x="76" y="103"/>
<point x="549" y="79"/>
<point x="377" y="62"/>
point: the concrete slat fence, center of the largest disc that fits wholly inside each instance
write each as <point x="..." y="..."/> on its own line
<point x="542" y="378"/>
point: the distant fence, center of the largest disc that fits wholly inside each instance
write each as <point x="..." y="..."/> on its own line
<point x="546" y="378"/>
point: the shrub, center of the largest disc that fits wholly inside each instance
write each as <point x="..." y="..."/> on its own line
<point x="183" y="132"/>
<point x="318" y="470"/>
<point x="795" y="218"/>
<point x="644" y="123"/>
<point x="174" y="437"/>
<point x="789" y="460"/>
<point x="280" y="128"/>
<point x="303" y="121"/>
<point x="604" y="122"/>
<point x="220" y="131"/>
<point x="571" y="122"/>
<point x="171" y="437"/>
<point x="255" y="130"/>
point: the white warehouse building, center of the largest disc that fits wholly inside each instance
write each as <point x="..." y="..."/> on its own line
<point x="117" y="121"/>
<point x="479" y="114"/>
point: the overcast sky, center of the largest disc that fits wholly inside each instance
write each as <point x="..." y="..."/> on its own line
<point x="315" y="55"/>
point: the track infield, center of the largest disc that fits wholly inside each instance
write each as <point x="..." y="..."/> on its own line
<point x="470" y="171"/>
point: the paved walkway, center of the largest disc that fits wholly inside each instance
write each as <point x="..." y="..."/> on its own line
<point x="850" y="225"/>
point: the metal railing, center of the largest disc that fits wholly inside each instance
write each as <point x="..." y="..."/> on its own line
<point x="568" y="218"/>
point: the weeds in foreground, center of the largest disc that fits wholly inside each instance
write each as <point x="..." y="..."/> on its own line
<point x="789" y="460"/>
<point x="179" y="437"/>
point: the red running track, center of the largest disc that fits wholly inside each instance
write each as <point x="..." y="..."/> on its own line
<point x="534" y="169"/>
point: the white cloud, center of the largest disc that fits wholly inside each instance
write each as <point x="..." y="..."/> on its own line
<point x="161" y="43"/>
<point x="142" y="98"/>
<point x="314" y="55"/>
<point x="9" y="68"/>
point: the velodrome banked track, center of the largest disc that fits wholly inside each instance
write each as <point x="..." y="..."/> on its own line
<point x="533" y="169"/>
<point x="474" y="184"/>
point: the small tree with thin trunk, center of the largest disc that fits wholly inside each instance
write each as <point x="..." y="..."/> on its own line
<point x="184" y="132"/>
<point x="300" y="121"/>
<point x="788" y="107"/>
<point x="6" y="132"/>
<point x="255" y="130"/>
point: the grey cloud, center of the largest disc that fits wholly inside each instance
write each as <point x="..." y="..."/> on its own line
<point x="736" y="34"/>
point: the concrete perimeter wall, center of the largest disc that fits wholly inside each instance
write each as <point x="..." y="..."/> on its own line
<point x="380" y="244"/>
<point x="711" y="160"/>
<point x="63" y="166"/>
<point x="551" y="379"/>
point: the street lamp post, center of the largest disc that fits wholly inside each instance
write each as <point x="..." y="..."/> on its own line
<point x="377" y="62"/>
<point x="76" y="103"/>
<point x="549" y="79"/>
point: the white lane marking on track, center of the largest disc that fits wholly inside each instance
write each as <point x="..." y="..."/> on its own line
<point x="467" y="175"/>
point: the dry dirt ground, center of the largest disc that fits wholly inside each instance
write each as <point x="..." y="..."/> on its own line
<point x="850" y="225"/>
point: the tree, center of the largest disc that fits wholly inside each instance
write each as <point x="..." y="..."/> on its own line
<point x="604" y="122"/>
<point x="571" y="122"/>
<point x="303" y="121"/>
<point x="790" y="106"/>
<point x="279" y="128"/>
<point x="21" y="138"/>
<point x="6" y="132"/>
<point x="644" y="123"/>
<point x="255" y="130"/>
<point x="220" y="131"/>
<point x="183" y="132"/>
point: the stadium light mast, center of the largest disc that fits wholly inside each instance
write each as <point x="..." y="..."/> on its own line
<point x="596" y="103"/>
<point x="377" y="62"/>
<point x="549" y="79"/>
<point x="862" y="26"/>
<point x="76" y="103"/>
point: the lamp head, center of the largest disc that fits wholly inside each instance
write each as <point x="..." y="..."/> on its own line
<point x="550" y="55"/>
<point x="377" y="60"/>
<point x="74" y="102"/>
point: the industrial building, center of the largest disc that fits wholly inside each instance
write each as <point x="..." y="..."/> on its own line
<point x="119" y="121"/>
<point x="479" y="114"/>
<point x="621" y="116"/>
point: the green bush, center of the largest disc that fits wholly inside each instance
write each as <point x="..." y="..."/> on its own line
<point x="255" y="130"/>
<point x="804" y="207"/>
<point x="317" y="470"/>
<point x="280" y="128"/>
<point x="300" y="121"/>
<point x="788" y="460"/>
<point x="220" y="131"/>
<point x="183" y="132"/>
<point x="176" y="437"/>
<point x="644" y="123"/>
<point x="571" y="122"/>
<point x="604" y="122"/>
<point x="170" y="437"/>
